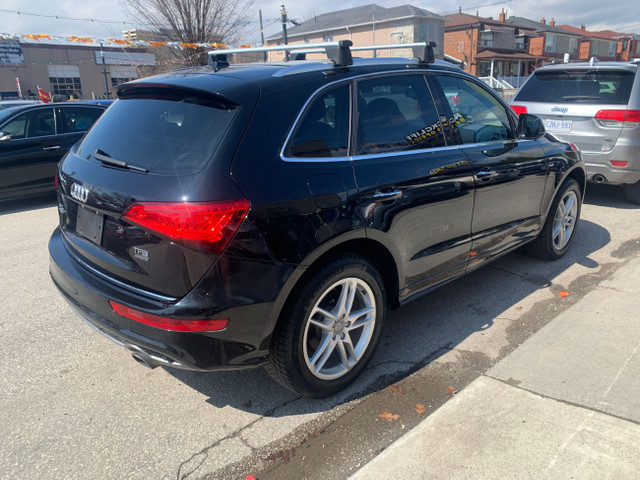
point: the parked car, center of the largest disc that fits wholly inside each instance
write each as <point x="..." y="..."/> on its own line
<point x="33" y="139"/>
<point x="17" y="103"/>
<point x="268" y="214"/>
<point x="595" y="105"/>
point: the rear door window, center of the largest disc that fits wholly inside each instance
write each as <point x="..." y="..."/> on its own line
<point x="78" y="119"/>
<point x="164" y="133"/>
<point x="396" y="113"/>
<point x="578" y="86"/>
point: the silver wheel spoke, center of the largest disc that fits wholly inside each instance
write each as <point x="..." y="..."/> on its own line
<point x="345" y="303"/>
<point x="324" y="351"/>
<point x="360" y="318"/>
<point x="347" y="355"/>
<point x="322" y="325"/>
<point x="329" y="315"/>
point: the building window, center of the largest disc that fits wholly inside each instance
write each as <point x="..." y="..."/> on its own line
<point x="327" y="38"/>
<point x="520" y="42"/>
<point x="573" y="45"/>
<point x="306" y="39"/>
<point x="64" y="81"/>
<point x="625" y="45"/>
<point x="550" y="43"/>
<point x="612" y="49"/>
<point x="487" y="39"/>
<point x="595" y="47"/>
<point x="122" y="75"/>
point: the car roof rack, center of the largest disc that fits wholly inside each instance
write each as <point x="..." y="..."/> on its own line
<point x="338" y="52"/>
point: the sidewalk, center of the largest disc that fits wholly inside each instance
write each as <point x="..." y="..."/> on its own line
<point x="565" y="404"/>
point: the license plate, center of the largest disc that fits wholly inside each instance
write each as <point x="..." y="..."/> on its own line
<point x="558" y="125"/>
<point x="89" y="225"/>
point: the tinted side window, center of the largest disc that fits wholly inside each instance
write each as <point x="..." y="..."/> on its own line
<point x="324" y="128"/>
<point x="478" y="115"/>
<point x="37" y="123"/>
<point x="396" y="113"/>
<point x="578" y="86"/>
<point x="79" y="119"/>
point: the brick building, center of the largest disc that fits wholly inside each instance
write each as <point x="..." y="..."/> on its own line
<point x="370" y="25"/>
<point x="606" y="45"/>
<point x="64" y="67"/>
<point x="489" y="47"/>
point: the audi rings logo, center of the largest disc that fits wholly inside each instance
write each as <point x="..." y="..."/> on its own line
<point x="79" y="192"/>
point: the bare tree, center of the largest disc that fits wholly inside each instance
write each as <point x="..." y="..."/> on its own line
<point x="192" y="21"/>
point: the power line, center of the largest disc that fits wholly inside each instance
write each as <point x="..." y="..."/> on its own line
<point x="96" y="20"/>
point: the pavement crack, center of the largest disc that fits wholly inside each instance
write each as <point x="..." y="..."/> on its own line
<point x="566" y="402"/>
<point x="204" y="453"/>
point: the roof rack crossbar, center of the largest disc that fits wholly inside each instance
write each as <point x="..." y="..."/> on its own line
<point x="421" y="50"/>
<point x="337" y="52"/>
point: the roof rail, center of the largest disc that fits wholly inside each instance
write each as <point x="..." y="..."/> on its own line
<point x="338" y="52"/>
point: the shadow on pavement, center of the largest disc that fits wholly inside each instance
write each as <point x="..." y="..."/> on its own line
<point x="27" y="204"/>
<point x="607" y="196"/>
<point x="415" y="334"/>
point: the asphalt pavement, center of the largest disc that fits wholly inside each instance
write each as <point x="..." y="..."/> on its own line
<point x="565" y="404"/>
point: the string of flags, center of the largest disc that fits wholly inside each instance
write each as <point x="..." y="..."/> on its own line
<point x="123" y="43"/>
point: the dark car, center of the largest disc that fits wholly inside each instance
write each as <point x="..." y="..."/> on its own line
<point x="268" y="214"/>
<point x="34" y="138"/>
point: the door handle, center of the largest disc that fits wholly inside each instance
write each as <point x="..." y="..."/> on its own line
<point x="486" y="174"/>
<point x="386" y="196"/>
<point x="55" y="147"/>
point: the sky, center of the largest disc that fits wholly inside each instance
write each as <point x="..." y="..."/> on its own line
<point x="110" y="17"/>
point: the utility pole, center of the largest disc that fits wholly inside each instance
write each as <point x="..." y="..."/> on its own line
<point x="104" y="72"/>
<point x="284" y="30"/>
<point x="264" y="54"/>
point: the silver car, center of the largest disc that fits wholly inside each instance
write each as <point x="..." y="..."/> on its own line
<point x="595" y="105"/>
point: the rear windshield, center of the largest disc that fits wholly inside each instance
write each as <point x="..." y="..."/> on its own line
<point x="578" y="86"/>
<point x="164" y="136"/>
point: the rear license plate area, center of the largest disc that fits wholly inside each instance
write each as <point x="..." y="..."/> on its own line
<point x="89" y="224"/>
<point x="558" y="125"/>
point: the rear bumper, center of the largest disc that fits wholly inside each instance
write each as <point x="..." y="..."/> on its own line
<point x="243" y="344"/>
<point x="600" y="163"/>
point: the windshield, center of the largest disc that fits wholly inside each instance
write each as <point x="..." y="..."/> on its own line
<point x="163" y="136"/>
<point x="578" y="86"/>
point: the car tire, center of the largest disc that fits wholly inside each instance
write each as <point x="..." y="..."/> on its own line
<point x="329" y="330"/>
<point x="560" y="226"/>
<point x="632" y="193"/>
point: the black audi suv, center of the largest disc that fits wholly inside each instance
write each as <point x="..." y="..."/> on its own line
<point x="235" y="216"/>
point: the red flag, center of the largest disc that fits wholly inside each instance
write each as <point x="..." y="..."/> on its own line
<point x="44" y="96"/>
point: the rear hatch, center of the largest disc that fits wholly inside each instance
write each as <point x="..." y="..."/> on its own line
<point x="583" y="105"/>
<point x="146" y="200"/>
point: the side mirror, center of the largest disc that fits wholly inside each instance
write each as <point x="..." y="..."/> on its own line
<point x="5" y="137"/>
<point x="530" y="127"/>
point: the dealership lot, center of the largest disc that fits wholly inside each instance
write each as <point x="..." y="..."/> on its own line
<point x="77" y="406"/>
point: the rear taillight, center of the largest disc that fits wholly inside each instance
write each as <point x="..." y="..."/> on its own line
<point x="519" y="109"/>
<point x="574" y="147"/>
<point x="616" y="118"/>
<point x="212" y="223"/>
<point x="170" y="323"/>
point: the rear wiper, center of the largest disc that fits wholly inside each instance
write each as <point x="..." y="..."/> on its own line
<point x="106" y="159"/>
